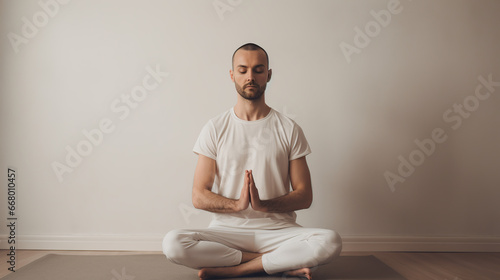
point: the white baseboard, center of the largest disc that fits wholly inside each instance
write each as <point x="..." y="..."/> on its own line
<point x="350" y="243"/>
<point x="421" y="244"/>
<point x="85" y="242"/>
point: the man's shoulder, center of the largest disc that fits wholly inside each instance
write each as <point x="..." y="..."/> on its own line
<point x="285" y="120"/>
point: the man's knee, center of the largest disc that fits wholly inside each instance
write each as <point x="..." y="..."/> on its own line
<point x="173" y="247"/>
<point x="332" y="246"/>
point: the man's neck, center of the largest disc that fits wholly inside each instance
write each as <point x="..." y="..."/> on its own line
<point x="251" y="110"/>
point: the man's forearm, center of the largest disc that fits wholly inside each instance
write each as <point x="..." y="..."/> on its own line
<point x="212" y="202"/>
<point x="292" y="201"/>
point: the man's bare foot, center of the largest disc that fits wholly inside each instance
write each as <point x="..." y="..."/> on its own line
<point x="216" y="272"/>
<point x="301" y="272"/>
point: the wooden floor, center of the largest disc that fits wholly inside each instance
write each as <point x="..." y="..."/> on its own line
<point x="413" y="266"/>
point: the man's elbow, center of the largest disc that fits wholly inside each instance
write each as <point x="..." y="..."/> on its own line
<point x="197" y="201"/>
<point x="307" y="201"/>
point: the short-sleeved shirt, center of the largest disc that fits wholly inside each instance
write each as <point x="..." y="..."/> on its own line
<point x="266" y="146"/>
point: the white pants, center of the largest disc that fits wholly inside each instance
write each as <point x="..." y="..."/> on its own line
<point x="284" y="249"/>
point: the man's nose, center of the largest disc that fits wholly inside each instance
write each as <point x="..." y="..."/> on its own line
<point x="250" y="77"/>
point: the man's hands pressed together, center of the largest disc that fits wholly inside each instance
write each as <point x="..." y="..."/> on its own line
<point x="254" y="192"/>
<point x="249" y="194"/>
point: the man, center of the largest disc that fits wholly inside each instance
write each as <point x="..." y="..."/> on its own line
<point x="247" y="158"/>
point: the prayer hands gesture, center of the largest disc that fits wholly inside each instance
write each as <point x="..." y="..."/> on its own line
<point x="249" y="194"/>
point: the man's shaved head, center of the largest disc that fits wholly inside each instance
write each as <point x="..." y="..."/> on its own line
<point x="250" y="71"/>
<point x="250" y="47"/>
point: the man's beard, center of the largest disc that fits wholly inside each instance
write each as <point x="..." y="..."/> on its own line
<point x="252" y="94"/>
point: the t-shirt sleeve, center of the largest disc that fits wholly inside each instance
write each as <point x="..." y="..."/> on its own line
<point x="206" y="142"/>
<point x="299" y="145"/>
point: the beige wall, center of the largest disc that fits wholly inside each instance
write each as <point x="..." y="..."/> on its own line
<point x="362" y="100"/>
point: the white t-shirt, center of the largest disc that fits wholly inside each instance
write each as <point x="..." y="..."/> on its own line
<point x="265" y="146"/>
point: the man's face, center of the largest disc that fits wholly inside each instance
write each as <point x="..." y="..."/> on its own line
<point x="250" y="74"/>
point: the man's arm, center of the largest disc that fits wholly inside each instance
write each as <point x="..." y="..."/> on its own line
<point x="205" y="199"/>
<point x="299" y="198"/>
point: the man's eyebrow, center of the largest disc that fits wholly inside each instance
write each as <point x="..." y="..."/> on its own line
<point x="244" y="66"/>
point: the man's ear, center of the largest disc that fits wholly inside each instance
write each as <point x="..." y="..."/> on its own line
<point x="269" y="74"/>
<point x="231" y="75"/>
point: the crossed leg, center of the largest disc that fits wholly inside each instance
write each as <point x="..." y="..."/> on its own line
<point x="218" y="254"/>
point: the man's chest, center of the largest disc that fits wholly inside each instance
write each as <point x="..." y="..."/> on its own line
<point x="245" y="147"/>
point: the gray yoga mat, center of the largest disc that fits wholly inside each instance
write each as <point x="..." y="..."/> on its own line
<point x="157" y="267"/>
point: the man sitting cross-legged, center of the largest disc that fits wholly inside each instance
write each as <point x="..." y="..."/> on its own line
<point x="248" y="157"/>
